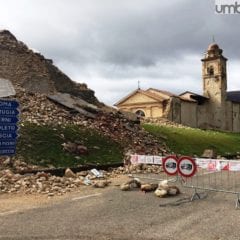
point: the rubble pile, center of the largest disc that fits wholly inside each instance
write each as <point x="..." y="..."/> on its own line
<point x="130" y="134"/>
<point x="137" y="169"/>
<point x="45" y="183"/>
<point x="28" y="68"/>
<point x="37" y="108"/>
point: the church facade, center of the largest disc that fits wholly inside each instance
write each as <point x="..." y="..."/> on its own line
<point x="214" y="109"/>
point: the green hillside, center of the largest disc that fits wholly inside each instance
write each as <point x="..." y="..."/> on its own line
<point x="190" y="141"/>
<point x="42" y="145"/>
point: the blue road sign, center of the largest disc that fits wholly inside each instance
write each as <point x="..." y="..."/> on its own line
<point x="7" y="143"/>
<point x="8" y="127"/>
<point x="9" y="112"/>
<point x="8" y="104"/>
<point x="8" y="119"/>
<point x="8" y="135"/>
<point x="8" y="151"/>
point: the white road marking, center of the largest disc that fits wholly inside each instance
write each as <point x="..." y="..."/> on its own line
<point x="8" y="212"/>
<point x="87" y="196"/>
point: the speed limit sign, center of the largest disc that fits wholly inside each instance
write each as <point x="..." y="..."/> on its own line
<point x="170" y="165"/>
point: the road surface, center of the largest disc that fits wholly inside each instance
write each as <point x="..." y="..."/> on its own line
<point x="104" y="214"/>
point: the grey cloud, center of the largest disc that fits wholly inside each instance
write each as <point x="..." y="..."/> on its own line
<point x="127" y="32"/>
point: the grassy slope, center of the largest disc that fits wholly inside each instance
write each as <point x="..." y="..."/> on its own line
<point x="187" y="141"/>
<point x="41" y="145"/>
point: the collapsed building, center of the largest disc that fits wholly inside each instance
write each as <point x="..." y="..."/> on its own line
<point x="215" y="109"/>
<point x="30" y="70"/>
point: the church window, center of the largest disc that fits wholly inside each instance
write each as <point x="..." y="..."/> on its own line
<point x="210" y="70"/>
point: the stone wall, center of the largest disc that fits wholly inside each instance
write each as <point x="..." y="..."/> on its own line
<point x="236" y="117"/>
<point x="204" y="116"/>
<point x="189" y="113"/>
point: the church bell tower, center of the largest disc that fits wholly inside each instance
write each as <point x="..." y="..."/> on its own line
<point x="214" y="74"/>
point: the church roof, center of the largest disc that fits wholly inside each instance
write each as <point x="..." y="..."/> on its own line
<point x="192" y="97"/>
<point x="169" y="94"/>
<point x="193" y="94"/>
<point x="152" y="95"/>
<point x="148" y="93"/>
<point x="233" y="96"/>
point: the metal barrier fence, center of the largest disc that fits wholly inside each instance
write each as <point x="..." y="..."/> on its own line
<point x="215" y="175"/>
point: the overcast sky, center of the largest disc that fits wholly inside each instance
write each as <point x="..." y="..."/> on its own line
<point x="111" y="45"/>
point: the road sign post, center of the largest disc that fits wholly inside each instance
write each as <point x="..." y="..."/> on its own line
<point x="9" y="112"/>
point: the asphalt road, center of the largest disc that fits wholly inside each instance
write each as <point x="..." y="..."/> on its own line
<point x="113" y="214"/>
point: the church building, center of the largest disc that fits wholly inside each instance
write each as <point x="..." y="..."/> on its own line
<point x="215" y="109"/>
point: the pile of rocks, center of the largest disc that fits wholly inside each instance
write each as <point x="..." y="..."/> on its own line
<point x="162" y="189"/>
<point x="37" y="108"/>
<point x="73" y="147"/>
<point x="131" y="135"/>
<point x="137" y="169"/>
<point x="50" y="185"/>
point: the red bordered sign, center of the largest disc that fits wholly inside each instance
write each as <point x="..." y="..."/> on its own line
<point x="170" y="165"/>
<point x="187" y="166"/>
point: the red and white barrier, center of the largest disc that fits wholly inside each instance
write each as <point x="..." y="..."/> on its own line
<point x="208" y="164"/>
<point x="218" y="164"/>
<point x="145" y="159"/>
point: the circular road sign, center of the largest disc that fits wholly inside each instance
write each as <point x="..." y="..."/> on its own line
<point x="170" y="164"/>
<point x="187" y="167"/>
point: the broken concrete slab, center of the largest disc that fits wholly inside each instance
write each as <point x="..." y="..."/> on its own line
<point x="6" y="88"/>
<point x="75" y="103"/>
